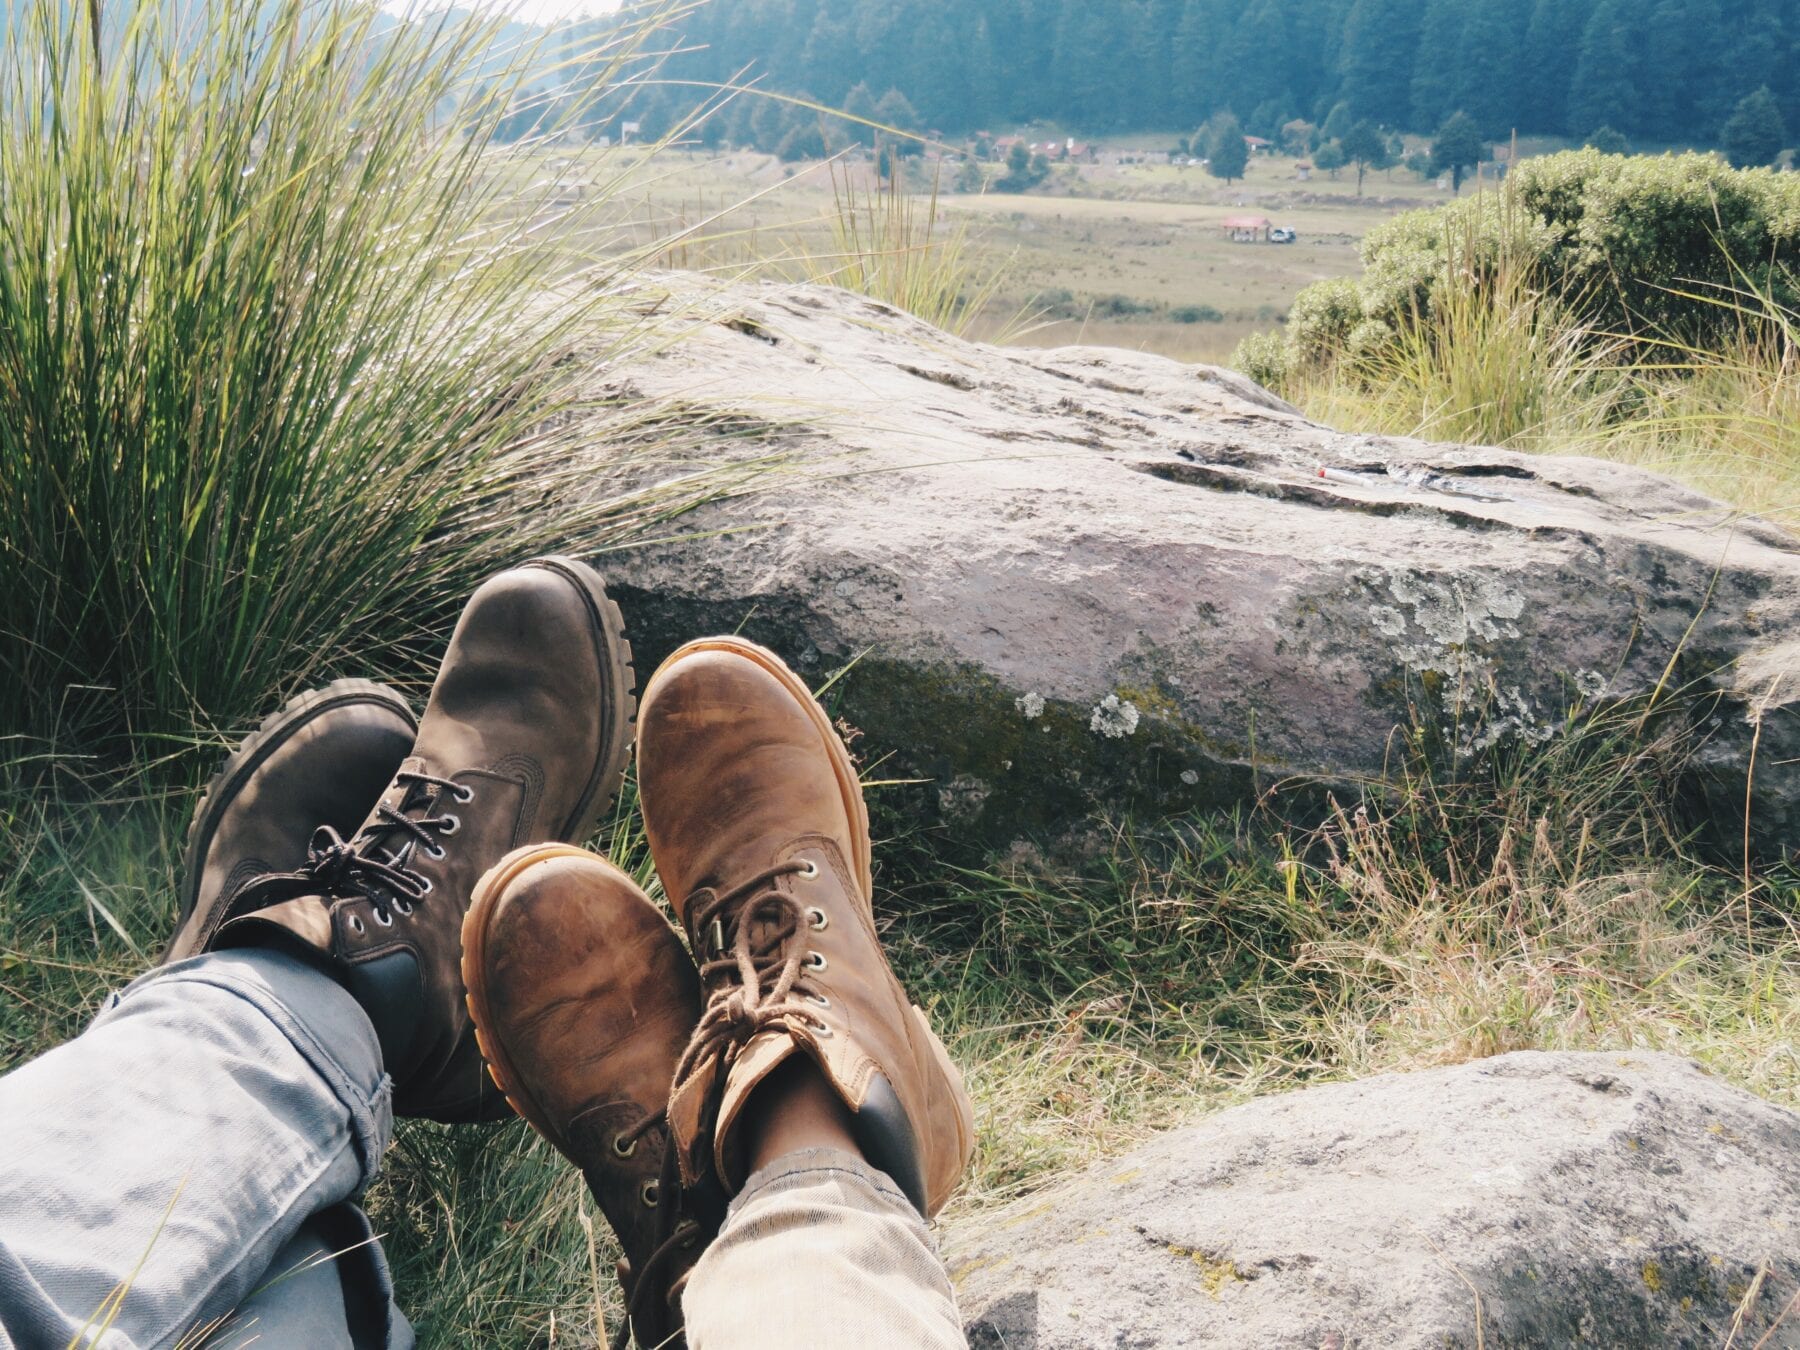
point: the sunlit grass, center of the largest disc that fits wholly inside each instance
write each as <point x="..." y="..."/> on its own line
<point x="1500" y="358"/>
<point x="1530" y="897"/>
<point x="278" y="382"/>
<point x="897" y="247"/>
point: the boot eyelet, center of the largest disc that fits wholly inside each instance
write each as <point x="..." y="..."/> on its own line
<point x="811" y="870"/>
<point x="623" y="1147"/>
<point x="817" y="1000"/>
<point x="357" y="926"/>
<point x="449" y="825"/>
<point x="465" y="795"/>
<point x="650" y="1194"/>
<point x="821" y="1029"/>
<point x="819" y="919"/>
<point x="403" y="909"/>
<point x="816" y="961"/>
<point x="436" y="854"/>
<point x="424" y="885"/>
<point x="383" y="918"/>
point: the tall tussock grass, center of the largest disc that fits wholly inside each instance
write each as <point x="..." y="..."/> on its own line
<point x="893" y="247"/>
<point x="1726" y="417"/>
<point x="1511" y="363"/>
<point x="1507" y="362"/>
<point x="275" y="358"/>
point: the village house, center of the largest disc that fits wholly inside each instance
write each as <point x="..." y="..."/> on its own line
<point x="1245" y="229"/>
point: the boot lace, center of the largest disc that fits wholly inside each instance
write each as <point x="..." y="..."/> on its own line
<point x="377" y="864"/>
<point x="675" y="1231"/>
<point x="765" y="959"/>
<point x="755" y="970"/>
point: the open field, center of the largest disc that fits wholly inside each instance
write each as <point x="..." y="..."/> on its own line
<point x="1130" y="256"/>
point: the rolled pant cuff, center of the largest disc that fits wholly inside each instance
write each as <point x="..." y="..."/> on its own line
<point x="805" y="1165"/>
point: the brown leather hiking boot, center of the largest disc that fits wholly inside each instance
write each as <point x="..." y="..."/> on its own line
<point x="584" y="999"/>
<point x="524" y="741"/>
<point x="322" y="760"/>
<point x="757" y="826"/>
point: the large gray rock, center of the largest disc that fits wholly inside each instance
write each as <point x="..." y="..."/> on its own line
<point x="1532" y="1200"/>
<point x="1094" y="576"/>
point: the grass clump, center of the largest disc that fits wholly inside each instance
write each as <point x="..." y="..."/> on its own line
<point x="1532" y="897"/>
<point x="884" y="241"/>
<point x="275" y="366"/>
<point x="1507" y="363"/>
<point x="1724" y="417"/>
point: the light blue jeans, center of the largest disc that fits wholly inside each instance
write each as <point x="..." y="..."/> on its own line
<point x="181" y="1173"/>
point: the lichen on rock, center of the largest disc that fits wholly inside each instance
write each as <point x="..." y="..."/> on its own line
<point x="1114" y="717"/>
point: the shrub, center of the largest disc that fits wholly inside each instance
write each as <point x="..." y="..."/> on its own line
<point x="1196" y="314"/>
<point x="1263" y="357"/>
<point x="1632" y="244"/>
<point x="1121" y="307"/>
<point x="1320" y="322"/>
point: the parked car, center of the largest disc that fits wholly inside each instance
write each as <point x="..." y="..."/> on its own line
<point x="1282" y="234"/>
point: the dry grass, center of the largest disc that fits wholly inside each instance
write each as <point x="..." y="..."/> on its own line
<point x="1506" y="361"/>
<point x="1542" y="899"/>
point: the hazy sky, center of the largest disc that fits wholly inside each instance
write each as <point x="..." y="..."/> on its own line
<point x="544" y="11"/>
<point x="529" y="11"/>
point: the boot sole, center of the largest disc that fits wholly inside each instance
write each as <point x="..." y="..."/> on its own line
<point x="619" y="714"/>
<point x="849" y="783"/>
<point x="250" y="755"/>
<point x="483" y="908"/>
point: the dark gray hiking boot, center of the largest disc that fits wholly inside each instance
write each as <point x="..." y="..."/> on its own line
<point x="324" y="759"/>
<point x="524" y="741"/>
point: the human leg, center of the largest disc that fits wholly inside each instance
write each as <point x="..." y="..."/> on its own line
<point x="819" y="1248"/>
<point x="530" y="714"/>
<point x="158" y="1163"/>
<point x="813" y="1091"/>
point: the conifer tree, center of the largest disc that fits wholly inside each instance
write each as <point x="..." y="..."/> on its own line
<point x="1436" y="79"/>
<point x="1192" y="60"/>
<point x="1605" y="90"/>
<point x="1381" y="39"/>
<point x="1488" y="65"/>
<point x="1227" y="154"/>
<point x="1366" y="148"/>
<point x="1755" y="133"/>
<point x="1548" y="65"/>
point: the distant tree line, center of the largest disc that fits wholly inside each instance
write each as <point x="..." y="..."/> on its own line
<point x="1638" y="70"/>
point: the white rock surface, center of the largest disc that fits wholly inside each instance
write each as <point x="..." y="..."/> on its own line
<point x="1531" y="1201"/>
<point x="1090" y="576"/>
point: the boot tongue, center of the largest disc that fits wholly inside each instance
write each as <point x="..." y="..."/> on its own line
<point x="300" y="926"/>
